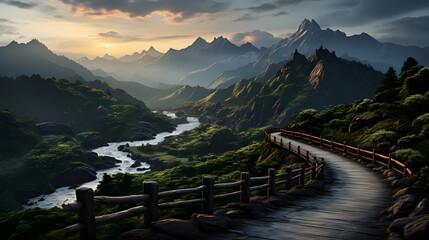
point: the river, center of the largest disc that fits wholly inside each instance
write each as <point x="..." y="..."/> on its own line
<point x="67" y="195"/>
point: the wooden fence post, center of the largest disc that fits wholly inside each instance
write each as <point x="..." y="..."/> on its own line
<point x="321" y="141"/>
<point x="298" y="149"/>
<point x="332" y="144"/>
<point x="302" y="175"/>
<point x="344" y="147"/>
<point x="152" y="214"/>
<point x="373" y="156"/>
<point x="289" y="147"/>
<point x="389" y="161"/>
<point x="245" y="188"/>
<point x="288" y="177"/>
<point x="86" y="214"/>
<point x="306" y="158"/>
<point x="358" y="152"/>
<point x="405" y="170"/>
<point x="313" y="172"/>
<point x="272" y="182"/>
<point x="281" y="142"/>
<point x="310" y="136"/>
<point x="274" y="140"/>
<point x="208" y="194"/>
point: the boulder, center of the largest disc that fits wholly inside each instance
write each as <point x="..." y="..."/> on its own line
<point x="403" y="206"/>
<point x="234" y="213"/>
<point x="308" y="126"/>
<point x="394" y="236"/>
<point x="387" y="171"/>
<point x="296" y="191"/>
<point x="52" y="128"/>
<point x="220" y="211"/>
<point x="101" y="162"/>
<point x="74" y="176"/>
<point x="403" y="191"/>
<point x="136" y="163"/>
<point x="401" y="183"/>
<point x="211" y="223"/>
<point x="178" y="228"/>
<point x="418" y="229"/>
<point x="363" y="120"/>
<point x="95" y="142"/>
<point x="422" y="208"/>
<point x="392" y="174"/>
<point x="398" y="224"/>
<point x="121" y="147"/>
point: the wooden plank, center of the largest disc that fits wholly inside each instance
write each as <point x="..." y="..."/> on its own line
<point x="237" y="193"/>
<point x="381" y="163"/>
<point x="121" y="199"/>
<point x="114" y="217"/>
<point x="259" y="179"/>
<point x="256" y="188"/>
<point x="228" y="185"/>
<point x="181" y="204"/>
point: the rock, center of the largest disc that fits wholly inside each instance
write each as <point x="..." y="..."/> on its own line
<point x="75" y="175"/>
<point x="401" y="183"/>
<point x="220" y="211"/>
<point x="387" y="171"/>
<point x="394" y="236"/>
<point x="41" y="199"/>
<point x="101" y="162"/>
<point x="136" y="163"/>
<point x="296" y="191"/>
<point x="363" y="120"/>
<point x="394" y="148"/>
<point x="403" y="191"/>
<point x="391" y="179"/>
<point x="51" y="128"/>
<point x="23" y="196"/>
<point x="381" y="168"/>
<point x="233" y="205"/>
<point x="422" y="208"/>
<point x="418" y="229"/>
<point x="142" y="169"/>
<point x="371" y="165"/>
<point x="234" y="213"/>
<point x="276" y="201"/>
<point x="178" y="228"/>
<point x="121" y="147"/>
<point x="398" y="224"/>
<point x="95" y="142"/>
<point x="392" y="173"/>
<point x="403" y="206"/>
<point x="211" y="223"/>
<point x="144" y="234"/>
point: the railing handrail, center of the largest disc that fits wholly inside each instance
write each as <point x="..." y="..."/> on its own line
<point x="150" y="197"/>
<point x="359" y="152"/>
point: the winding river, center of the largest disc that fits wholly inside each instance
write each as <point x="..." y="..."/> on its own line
<point x="67" y="195"/>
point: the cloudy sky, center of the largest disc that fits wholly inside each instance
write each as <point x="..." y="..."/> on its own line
<point x="94" y="27"/>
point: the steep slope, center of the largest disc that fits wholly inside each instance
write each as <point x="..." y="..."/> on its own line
<point x="309" y="36"/>
<point x="319" y="80"/>
<point x="35" y="58"/>
<point x="182" y="95"/>
<point x="80" y="107"/>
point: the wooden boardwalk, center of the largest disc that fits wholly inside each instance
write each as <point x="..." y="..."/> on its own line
<point x="349" y="209"/>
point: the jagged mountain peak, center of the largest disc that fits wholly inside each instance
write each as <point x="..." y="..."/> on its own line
<point x="298" y="58"/>
<point x="199" y="42"/>
<point x="307" y="25"/>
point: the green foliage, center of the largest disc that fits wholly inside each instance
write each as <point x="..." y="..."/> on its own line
<point x="408" y="141"/>
<point x="415" y="160"/>
<point x="363" y="106"/>
<point x="383" y="136"/>
<point x="34" y="223"/>
<point x="417" y="83"/>
<point x="420" y="181"/>
<point x="304" y="115"/>
<point x="408" y="64"/>
<point x="339" y="124"/>
<point x="421" y="120"/>
<point x="416" y="103"/>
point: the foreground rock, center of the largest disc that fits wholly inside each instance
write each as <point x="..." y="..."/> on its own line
<point x="422" y="208"/>
<point x="363" y="120"/>
<point x="403" y="206"/>
<point x="211" y="223"/>
<point x="74" y="176"/>
<point x="180" y="229"/>
<point x="418" y="229"/>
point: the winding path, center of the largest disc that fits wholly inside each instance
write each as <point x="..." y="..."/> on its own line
<point x="349" y="209"/>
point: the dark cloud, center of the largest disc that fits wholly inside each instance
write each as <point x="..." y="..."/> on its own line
<point x="181" y="10"/>
<point x="4" y="20"/>
<point x="246" y="17"/>
<point x="407" y="31"/>
<point x="19" y="4"/>
<point x="263" y="7"/>
<point x="282" y="13"/>
<point x="358" y="12"/>
<point x="169" y="37"/>
<point x="116" y="37"/>
<point x="7" y="30"/>
<point x="256" y="37"/>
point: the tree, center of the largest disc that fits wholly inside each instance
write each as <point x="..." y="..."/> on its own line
<point x="408" y="64"/>
<point x="390" y="79"/>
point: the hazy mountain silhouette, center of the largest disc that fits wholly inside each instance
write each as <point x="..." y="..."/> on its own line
<point x="35" y="58"/>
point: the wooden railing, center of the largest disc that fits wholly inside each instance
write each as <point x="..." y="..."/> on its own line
<point x="149" y="199"/>
<point x="360" y="153"/>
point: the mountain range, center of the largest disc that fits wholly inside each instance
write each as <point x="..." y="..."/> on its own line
<point x="303" y="82"/>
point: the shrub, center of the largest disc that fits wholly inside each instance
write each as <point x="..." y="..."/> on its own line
<point x="421" y="120"/>
<point x="417" y="83"/>
<point x="424" y="133"/>
<point x="416" y="103"/>
<point x="407" y="141"/>
<point x="304" y="115"/>
<point x="413" y="158"/>
<point x="338" y="124"/>
<point x="421" y="181"/>
<point x="364" y="105"/>
<point x="383" y="136"/>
